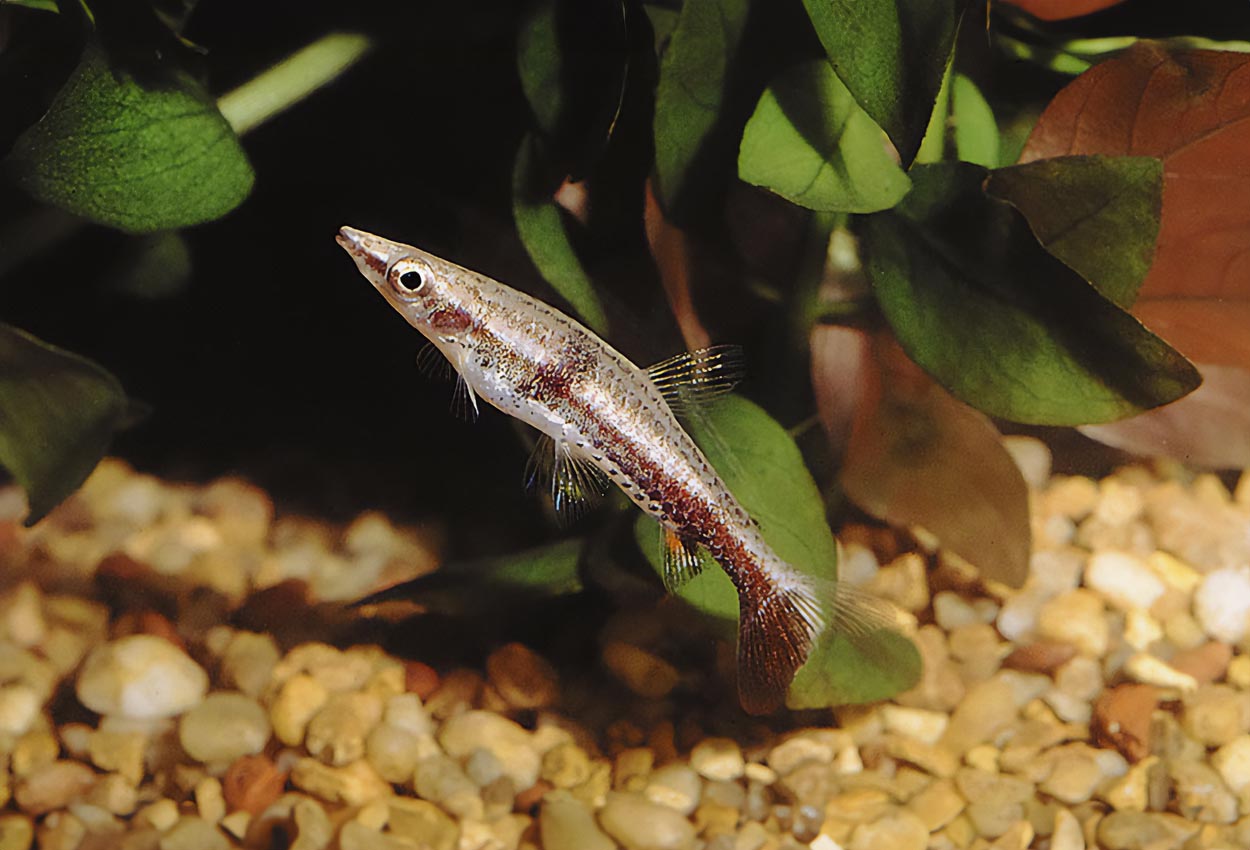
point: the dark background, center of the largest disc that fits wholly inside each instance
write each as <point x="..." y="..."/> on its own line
<point x="279" y="362"/>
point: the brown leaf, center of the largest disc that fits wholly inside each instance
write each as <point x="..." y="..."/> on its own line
<point x="1058" y="10"/>
<point x="1208" y="428"/>
<point x="1192" y="110"/>
<point x="839" y="357"/>
<point x="672" y="258"/>
<point x="918" y="457"/>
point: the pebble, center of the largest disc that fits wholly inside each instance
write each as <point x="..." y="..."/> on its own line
<point x="1132" y="790"/>
<point x="1215" y="715"/>
<point x="354" y="784"/>
<point x="639" y="824"/>
<point x="1222" y="604"/>
<point x="643" y="672"/>
<point x="718" y="759"/>
<point x="676" y="786"/>
<point x="53" y="786"/>
<point x="248" y="661"/>
<point x="192" y="833"/>
<point x="1122" y="718"/>
<point x="141" y="677"/>
<point x="566" y="823"/>
<point x="1074" y="774"/>
<point x="1149" y="669"/>
<point x="1232" y="760"/>
<point x="1076" y="617"/>
<point x="1206" y="663"/>
<point x="336" y="734"/>
<point x="565" y="765"/>
<point x="119" y="751"/>
<point x="421" y="821"/>
<point x="1032" y="457"/>
<point x="899" y="830"/>
<point x="393" y="752"/>
<point x="298" y="699"/>
<point x="225" y="726"/>
<point x="937" y="804"/>
<point x="1124" y="580"/>
<point x="506" y="740"/>
<point x="16" y="832"/>
<point x="1067" y="834"/>
<point x="988" y="708"/>
<point x="522" y="677"/>
<point x="443" y="781"/>
<point x="904" y="582"/>
<point x="252" y="784"/>
<point x="1201" y="794"/>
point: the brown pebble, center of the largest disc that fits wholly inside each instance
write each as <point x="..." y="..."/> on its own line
<point x="1040" y="657"/>
<point x="145" y="621"/>
<point x="531" y="796"/>
<point x="1122" y="719"/>
<point x="252" y="783"/>
<point x="1207" y="663"/>
<point x="420" y="679"/>
<point x="523" y="677"/>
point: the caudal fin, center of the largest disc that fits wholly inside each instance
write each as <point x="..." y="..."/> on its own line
<point x="779" y="626"/>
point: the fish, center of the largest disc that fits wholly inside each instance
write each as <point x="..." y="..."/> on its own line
<point x="605" y="421"/>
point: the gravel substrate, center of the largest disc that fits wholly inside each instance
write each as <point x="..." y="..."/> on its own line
<point x="1105" y="704"/>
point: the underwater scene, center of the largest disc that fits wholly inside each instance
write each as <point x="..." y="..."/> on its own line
<point x="625" y="425"/>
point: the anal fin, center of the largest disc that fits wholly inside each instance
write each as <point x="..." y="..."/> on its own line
<point x="682" y="559"/>
<point x="695" y="377"/>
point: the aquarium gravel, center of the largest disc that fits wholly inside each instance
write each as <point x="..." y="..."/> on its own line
<point x="1104" y="704"/>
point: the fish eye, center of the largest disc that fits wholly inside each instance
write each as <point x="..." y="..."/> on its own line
<point x="408" y="277"/>
<point x="412" y="281"/>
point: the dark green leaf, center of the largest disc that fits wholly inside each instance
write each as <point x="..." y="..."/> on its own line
<point x="140" y="159"/>
<point x="891" y="54"/>
<point x="1002" y="324"/>
<point x="58" y="412"/>
<point x="152" y="267"/>
<point x="811" y="143"/>
<point x="572" y="58"/>
<point x="477" y="587"/>
<point x="1099" y="214"/>
<point x="976" y="131"/>
<point x="763" y="468"/>
<point x="541" y="225"/>
<point x="40" y="5"/>
<point x="692" y="86"/>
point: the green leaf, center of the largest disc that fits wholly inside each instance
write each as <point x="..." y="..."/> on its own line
<point x="58" y="412"/>
<point x="691" y="89"/>
<point x="976" y="131"/>
<point x="152" y="267"/>
<point x="1002" y="324"/>
<point x="478" y="587"/>
<point x="541" y="226"/>
<point x="1099" y="214"/>
<point x="38" y="5"/>
<point x="135" y="158"/>
<point x="572" y="58"/>
<point x="762" y="466"/>
<point x="891" y="54"/>
<point x="811" y="143"/>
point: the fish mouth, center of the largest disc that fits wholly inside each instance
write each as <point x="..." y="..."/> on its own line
<point x="365" y="248"/>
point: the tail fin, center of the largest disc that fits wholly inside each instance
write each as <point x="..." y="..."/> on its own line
<point x="778" y="626"/>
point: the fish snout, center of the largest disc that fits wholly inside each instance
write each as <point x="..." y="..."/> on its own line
<point x="369" y="251"/>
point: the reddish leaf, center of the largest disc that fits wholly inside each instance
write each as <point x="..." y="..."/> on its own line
<point x="1207" y="330"/>
<point x="672" y="258"/>
<point x="919" y="457"/>
<point x="1192" y="109"/>
<point x="1209" y="428"/>
<point x="1058" y="10"/>
<point x="839" y="358"/>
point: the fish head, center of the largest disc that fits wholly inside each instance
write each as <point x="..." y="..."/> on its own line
<point x="435" y="296"/>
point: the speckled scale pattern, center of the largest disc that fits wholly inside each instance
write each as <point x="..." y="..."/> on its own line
<point x="542" y="367"/>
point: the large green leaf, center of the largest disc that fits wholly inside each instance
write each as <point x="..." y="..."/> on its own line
<point x="1099" y="214"/>
<point x="762" y="466"/>
<point x="133" y="157"/>
<point x="477" y="587"/>
<point x="811" y="143"/>
<point x="542" y="228"/>
<point x="1002" y="324"/>
<point x="691" y="89"/>
<point x="58" y="412"/>
<point x="977" y="138"/>
<point x="891" y="54"/>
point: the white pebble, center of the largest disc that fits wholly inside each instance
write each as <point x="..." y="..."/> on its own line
<point x="141" y="677"/>
<point x="1233" y="762"/>
<point x="1222" y="604"/>
<point x="1123" y="580"/>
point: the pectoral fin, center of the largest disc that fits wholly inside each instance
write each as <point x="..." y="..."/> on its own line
<point x="694" y="377"/>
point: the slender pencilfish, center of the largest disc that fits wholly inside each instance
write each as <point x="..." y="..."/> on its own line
<point x="609" y="421"/>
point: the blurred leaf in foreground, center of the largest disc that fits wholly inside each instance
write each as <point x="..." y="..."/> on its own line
<point x="763" y="468"/>
<point x="892" y="55"/>
<point x="1002" y="324"/>
<point x="918" y="457"/>
<point x="1099" y="214"/>
<point x="58" y="412"/>
<point x="811" y="143"/>
<point x="976" y="131"/>
<point x="542" y="227"/>
<point x="139" y="159"/>
<point x="688" y="97"/>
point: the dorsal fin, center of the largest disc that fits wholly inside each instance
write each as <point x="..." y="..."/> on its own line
<point x="694" y="377"/>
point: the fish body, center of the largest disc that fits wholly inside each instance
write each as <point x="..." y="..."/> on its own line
<point x="608" y="420"/>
